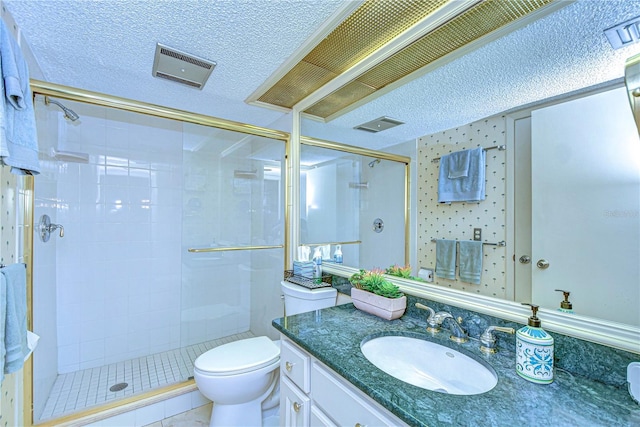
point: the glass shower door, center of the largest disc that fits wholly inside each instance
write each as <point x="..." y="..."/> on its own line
<point x="233" y="235"/>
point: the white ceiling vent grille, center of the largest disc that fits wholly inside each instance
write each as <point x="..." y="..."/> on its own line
<point x="181" y="67"/>
<point x="379" y="124"/>
<point x="624" y="34"/>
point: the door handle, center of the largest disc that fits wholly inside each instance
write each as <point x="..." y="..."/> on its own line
<point x="525" y="259"/>
<point x="543" y="263"/>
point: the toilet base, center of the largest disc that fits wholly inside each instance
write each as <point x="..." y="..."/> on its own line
<point x="245" y="414"/>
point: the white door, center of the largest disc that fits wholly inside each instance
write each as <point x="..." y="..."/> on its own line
<point x="522" y="203"/>
<point x="585" y="207"/>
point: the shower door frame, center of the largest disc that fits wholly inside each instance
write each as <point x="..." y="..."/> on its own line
<point x="39" y="87"/>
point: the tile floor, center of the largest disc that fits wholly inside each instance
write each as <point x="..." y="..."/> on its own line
<point x="75" y="391"/>
<point x="198" y="417"/>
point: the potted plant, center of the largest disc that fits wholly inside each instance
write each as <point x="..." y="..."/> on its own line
<point x="403" y="272"/>
<point x="374" y="294"/>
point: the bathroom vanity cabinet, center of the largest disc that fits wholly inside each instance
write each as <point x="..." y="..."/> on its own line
<point x="311" y="394"/>
<point x="327" y="381"/>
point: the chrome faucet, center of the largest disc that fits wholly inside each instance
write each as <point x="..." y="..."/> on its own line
<point x="488" y="339"/>
<point x="435" y="320"/>
<point x="458" y="334"/>
<point x="432" y="325"/>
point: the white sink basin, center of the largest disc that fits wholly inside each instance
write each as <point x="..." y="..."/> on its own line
<point x="429" y="365"/>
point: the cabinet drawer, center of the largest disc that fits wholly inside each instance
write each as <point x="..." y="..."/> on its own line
<point x="294" y="364"/>
<point x="340" y="402"/>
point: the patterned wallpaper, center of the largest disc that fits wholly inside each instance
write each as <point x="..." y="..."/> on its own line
<point x="11" y="385"/>
<point x="456" y="221"/>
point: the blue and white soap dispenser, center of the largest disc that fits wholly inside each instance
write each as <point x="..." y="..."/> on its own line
<point x="534" y="351"/>
<point x="565" y="306"/>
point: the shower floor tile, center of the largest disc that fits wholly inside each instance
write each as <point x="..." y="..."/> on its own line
<point x="75" y="391"/>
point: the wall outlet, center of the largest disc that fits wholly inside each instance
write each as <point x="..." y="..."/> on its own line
<point x="426" y="274"/>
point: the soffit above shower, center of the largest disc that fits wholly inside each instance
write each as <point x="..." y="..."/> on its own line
<point x="372" y="26"/>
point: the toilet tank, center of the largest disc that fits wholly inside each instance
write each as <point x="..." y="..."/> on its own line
<point x="298" y="299"/>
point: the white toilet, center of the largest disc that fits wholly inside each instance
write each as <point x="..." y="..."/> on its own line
<point x="242" y="377"/>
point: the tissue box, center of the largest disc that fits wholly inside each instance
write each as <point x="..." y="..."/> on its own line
<point x="303" y="268"/>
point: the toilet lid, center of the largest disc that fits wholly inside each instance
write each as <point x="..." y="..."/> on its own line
<point x="239" y="356"/>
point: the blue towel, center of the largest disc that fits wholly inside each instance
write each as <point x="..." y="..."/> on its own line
<point x="15" y="330"/>
<point x="470" y="188"/>
<point x="18" y="136"/>
<point x="470" y="261"/>
<point x="446" y="259"/>
<point x="458" y="164"/>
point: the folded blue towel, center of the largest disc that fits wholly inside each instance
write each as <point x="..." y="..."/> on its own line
<point x="458" y="164"/>
<point x="464" y="189"/>
<point x="470" y="261"/>
<point x="18" y="136"/>
<point x="446" y="259"/>
<point x="15" y="331"/>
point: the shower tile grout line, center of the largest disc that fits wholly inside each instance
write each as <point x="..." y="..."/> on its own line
<point x="75" y="391"/>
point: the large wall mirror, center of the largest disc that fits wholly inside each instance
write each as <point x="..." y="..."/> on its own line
<point x="583" y="221"/>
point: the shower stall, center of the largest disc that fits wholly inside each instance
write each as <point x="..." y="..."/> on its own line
<point x="173" y="243"/>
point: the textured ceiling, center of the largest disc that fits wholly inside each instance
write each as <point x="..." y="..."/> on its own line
<point x="107" y="46"/>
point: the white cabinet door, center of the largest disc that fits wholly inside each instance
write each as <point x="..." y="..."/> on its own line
<point x="586" y="204"/>
<point x="294" y="405"/>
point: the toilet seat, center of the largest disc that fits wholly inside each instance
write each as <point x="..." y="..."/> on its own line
<point x="238" y="357"/>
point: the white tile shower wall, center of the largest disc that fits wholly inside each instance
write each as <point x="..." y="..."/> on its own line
<point x="456" y="221"/>
<point x="118" y="265"/>
<point x="385" y="248"/>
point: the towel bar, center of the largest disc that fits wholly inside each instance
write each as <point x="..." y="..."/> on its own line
<point x="499" y="147"/>
<point x="500" y="243"/>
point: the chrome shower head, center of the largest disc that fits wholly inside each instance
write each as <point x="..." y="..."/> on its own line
<point x="373" y="162"/>
<point x="68" y="113"/>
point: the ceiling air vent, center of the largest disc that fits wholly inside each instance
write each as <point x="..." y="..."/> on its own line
<point x="624" y="34"/>
<point x="181" y="67"/>
<point x="379" y="124"/>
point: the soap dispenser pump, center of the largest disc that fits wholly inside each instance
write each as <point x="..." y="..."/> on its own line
<point x="534" y="351"/>
<point x="565" y="306"/>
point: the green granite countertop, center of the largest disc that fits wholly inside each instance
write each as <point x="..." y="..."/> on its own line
<point x="333" y="335"/>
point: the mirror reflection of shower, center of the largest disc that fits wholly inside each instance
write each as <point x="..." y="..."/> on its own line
<point x="68" y="113"/>
<point x="373" y="163"/>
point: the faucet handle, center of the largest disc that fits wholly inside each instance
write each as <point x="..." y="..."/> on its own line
<point x="488" y="339"/>
<point x="432" y="322"/>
